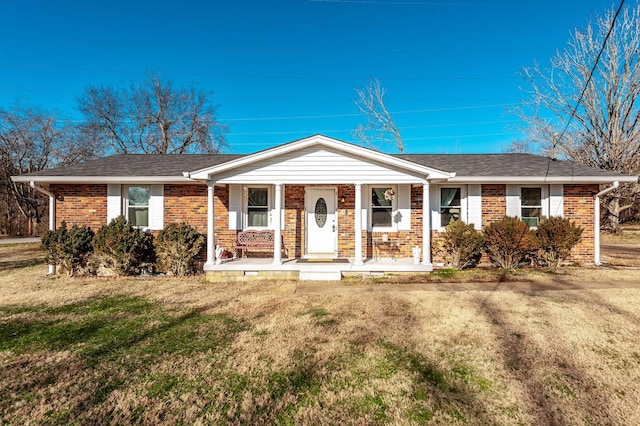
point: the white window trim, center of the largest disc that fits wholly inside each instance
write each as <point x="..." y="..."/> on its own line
<point x="245" y="207"/>
<point x="394" y="210"/>
<point x="464" y="215"/>
<point x="464" y="205"/>
<point x="125" y="205"/>
<point x="544" y="201"/>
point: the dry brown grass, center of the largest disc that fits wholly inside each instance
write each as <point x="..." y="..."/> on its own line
<point x="275" y="354"/>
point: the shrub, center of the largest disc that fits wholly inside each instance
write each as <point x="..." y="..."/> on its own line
<point x="555" y="237"/>
<point x="176" y="247"/>
<point x="462" y="245"/>
<point x="508" y="242"/>
<point x="69" y="249"/>
<point x="123" y="248"/>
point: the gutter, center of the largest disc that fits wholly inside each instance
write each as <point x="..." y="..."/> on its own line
<point x="596" y="221"/>
<point x="52" y="214"/>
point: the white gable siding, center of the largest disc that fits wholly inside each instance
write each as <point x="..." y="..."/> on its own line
<point x="317" y="165"/>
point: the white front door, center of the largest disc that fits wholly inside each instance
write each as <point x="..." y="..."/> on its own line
<point x="320" y="206"/>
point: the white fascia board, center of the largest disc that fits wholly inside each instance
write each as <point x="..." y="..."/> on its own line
<point x="329" y="143"/>
<point x="102" y="179"/>
<point x="548" y="179"/>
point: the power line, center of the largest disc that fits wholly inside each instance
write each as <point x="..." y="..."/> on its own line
<point x="593" y="70"/>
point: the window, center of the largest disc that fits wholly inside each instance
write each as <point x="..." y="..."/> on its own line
<point x="450" y="205"/>
<point x="257" y="207"/>
<point x="382" y="207"/>
<point x="531" y="205"/>
<point x="138" y="206"/>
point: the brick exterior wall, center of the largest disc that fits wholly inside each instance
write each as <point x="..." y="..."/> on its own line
<point x="86" y="204"/>
<point x="81" y="204"/>
<point x="186" y="203"/>
<point x="578" y="206"/>
<point x="494" y="203"/>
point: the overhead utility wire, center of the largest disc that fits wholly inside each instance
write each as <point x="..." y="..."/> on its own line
<point x="593" y="70"/>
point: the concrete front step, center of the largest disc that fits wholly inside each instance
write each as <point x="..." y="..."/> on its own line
<point x="317" y="275"/>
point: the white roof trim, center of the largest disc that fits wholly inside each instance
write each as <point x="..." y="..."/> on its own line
<point x="542" y="179"/>
<point x="329" y="143"/>
<point x="102" y="179"/>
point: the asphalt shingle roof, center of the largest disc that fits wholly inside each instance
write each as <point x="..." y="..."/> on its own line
<point x="504" y="165"/>
<point x="464" y="165"/>
<point x="140" y="165"/>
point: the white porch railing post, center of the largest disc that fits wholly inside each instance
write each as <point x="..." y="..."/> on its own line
<point x="211" y="214"/>
<point x="426" y="225"/>
<point x="277" y="226"/>
<point x="358" y="225"/>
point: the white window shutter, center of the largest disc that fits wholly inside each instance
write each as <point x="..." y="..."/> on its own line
<point x="556" y="200"/>
<point x="272" y="207"/>
<point x="156" y="207"/>
<point x="434" y="206"/>
<point x="364" y="213"/>
<point x="235" y="207"/>
<point x="513" y="200"/>
<point x="474" y="205"/>
<point x="114" y="201"/>
<point x="403" y="215"/>
<point x="282" y="206"/>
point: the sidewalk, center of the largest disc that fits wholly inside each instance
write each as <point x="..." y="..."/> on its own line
<point x="338" y="287"/>
<point x="19" y="240"/>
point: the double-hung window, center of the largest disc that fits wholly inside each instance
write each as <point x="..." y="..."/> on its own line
<point x="257" y="207"/>
<point x="138" y="206"/>
<point x="450" y="205"/>
<point x="531" y="205"/>
<point x="382" y="204"/>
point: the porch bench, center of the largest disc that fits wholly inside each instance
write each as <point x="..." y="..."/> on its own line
<point x="254" y="240"/>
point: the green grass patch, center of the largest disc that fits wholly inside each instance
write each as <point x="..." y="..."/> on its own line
<point x="445" y="273"/>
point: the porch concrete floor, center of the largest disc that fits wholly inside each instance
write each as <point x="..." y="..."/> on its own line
<point x="381" y="265"/>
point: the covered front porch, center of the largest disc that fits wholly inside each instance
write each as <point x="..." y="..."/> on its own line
<point x="246" y="269"/>
<point x="330" y="209"/>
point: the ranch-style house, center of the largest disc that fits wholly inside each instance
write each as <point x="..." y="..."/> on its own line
<point x="320" y="208"/>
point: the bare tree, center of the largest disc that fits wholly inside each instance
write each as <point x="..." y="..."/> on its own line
<point x="381" y="129"/>
<point x="152" y="117"/>
<point x="31" y="140"/>
<point x="586" y="113"/>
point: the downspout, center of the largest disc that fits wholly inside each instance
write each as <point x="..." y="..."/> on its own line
<point x="596" y="222"/>
<point x="52" y="214"/>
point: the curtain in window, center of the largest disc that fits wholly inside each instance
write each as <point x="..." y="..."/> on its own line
<point x="448" y="195"/>
<point x="258" y="207"/>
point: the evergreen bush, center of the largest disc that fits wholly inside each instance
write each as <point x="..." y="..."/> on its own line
<point x="124" y="249"/>
<point x="509" y="242"/>
<point x="68" y="249"/>
<point x="462" y="245"/>
<point x="177" y="246"/>
<point x="555" y="237"/>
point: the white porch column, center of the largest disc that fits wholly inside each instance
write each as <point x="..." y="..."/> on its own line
<point x="211" y="248"/>
<point x="52" y="225"/>
<point x="358" y="225"/>
<point x="277" y="226"/>
<point x="426" y="225"/>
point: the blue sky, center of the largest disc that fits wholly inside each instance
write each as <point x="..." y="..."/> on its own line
<point x="282" y="70"/>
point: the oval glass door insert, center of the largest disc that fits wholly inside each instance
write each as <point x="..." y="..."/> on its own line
<point x="321" y="212"/>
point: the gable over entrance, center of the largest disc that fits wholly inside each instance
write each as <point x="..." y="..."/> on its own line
<point x="319" y="160"/>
